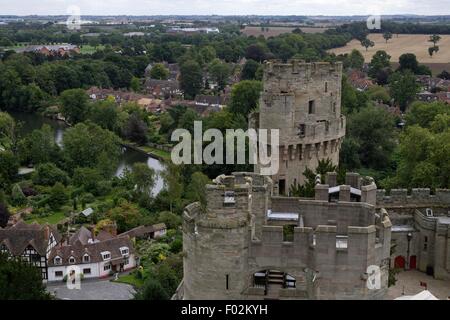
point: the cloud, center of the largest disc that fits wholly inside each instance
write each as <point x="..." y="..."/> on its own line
<point x="227" y="7"/>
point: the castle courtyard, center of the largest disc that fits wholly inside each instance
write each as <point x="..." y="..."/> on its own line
<point x="409" y="283"/>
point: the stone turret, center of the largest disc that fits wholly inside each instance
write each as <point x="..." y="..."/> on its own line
<point x="215" y="238"/>
<point x="303" y="101"/>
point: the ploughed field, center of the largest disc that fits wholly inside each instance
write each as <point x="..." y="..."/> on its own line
<point x="405" y="43"/>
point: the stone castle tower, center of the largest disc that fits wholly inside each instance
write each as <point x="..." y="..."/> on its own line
<point x="303" y="101"/>
<point x="237" y="247"/>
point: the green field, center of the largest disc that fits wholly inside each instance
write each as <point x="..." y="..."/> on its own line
<point x="52" y="219"/>
<point x="131" y="280"/>
<point x="87" y="49"/>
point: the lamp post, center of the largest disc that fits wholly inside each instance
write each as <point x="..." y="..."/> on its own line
<point x="409" y="237"/>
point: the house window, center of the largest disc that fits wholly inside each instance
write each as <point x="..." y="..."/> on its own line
<point x="106" y="267"/>
<point x="86" y="258"/>
<point x="87" y="271"/>
<point x="71" y="260"/>
<point x="126" y="262"/>
<point x="326" y="86"/>
<point x="124" y="251"/>
<point x="311" y="107"/>
<point x="106" y="256"/>
<point x="58" y="274"/>
<point x="425" y="243"/>
<point x="58" y="261"/>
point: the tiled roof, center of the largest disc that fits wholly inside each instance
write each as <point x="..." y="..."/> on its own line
<point x="19" y="236"/>
<point x="94" y="250"/>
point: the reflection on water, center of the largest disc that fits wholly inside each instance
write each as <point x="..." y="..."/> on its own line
<point x="129" y="157"/>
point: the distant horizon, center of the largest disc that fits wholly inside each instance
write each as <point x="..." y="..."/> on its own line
<point x="336" y="8"/>
<point x="224" y="15"/>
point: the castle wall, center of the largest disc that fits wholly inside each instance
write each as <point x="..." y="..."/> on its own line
<point x="341" y="271"/>
<point x="342" y="214"/>
<point x="419" y="197"/>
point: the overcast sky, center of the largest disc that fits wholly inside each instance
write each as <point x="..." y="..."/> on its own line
<point x="227" y="7"/>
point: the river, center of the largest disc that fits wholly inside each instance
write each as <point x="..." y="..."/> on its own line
<point x="129" y="156"/>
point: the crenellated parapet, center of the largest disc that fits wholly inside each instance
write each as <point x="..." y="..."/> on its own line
<point x="417" y="197"/>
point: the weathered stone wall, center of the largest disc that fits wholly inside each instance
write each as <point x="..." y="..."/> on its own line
<point x="225" y="243"/>
<point x="303" y="101"/>
<point x="418" y="197"/>
<point x="342" y="214"/>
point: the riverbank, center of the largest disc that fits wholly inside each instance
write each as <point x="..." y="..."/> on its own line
<point x="153" y="152"/>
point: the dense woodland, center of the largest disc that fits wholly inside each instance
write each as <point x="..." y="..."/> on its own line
<point x="79" y="175"/>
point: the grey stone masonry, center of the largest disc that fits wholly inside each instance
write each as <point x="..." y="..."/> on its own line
<point x="303" y="101"/>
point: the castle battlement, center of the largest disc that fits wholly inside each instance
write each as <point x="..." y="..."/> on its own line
<point x="417" y="197"/>
<point x="277" y="68"/>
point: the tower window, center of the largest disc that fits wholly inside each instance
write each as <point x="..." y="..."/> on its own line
<point x="227" y="279"/>
<point x="311" y="107"/>
<point x="301" y="130"/>
<point x="326" y="86"/>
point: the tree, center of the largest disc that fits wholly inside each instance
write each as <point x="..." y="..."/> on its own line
<point x="434" y="39"/>
<point x="135" y="129"/>
<point x="432" y="50"/>
<point x="9" y="167"/>
<point x="355" y="60"/>
<point x="126" y="215"/>
<point x="372" y="134"/>
<point x="47" y="174"/>
<point x="256" y="52"/>
<point x="104" y="113"/>
<point x="220" y="73"/>
<point x="403" y="88"/>
<point x="159" y="71"/>
<point x="39" y="147"/>
<point x="249" y="70"/>
<point x="172" y="183"/>
<point x="208" y="54"/>
<point x="387" y="36"/>
<point x="58" y="196"/>
<point x="4" y="214"/>
<point x="444" y="75"/>
<point x="380" y="61"/>
<point x="191" y="78"/>
<point x="408" y="61"/>
<point x="152" y="290"/>
<point x="74" y="105"/>
<point x="196" y="191"/>
<point x="245" y="97"/>
<point x="17" y="196"/>
<point x="367" y="43"/>
<point x="135" y="84"/>
<point x="20" y="281"/>
<point x="144" y="177"/>
<point x="424" y="113"/>
<point x="7" y="130"/>
<point x="307" y="190"/>
<point x="85" y="144"/>
<point x="423" y="159"/>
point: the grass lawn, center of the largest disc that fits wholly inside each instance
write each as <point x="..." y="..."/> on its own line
<point x="87" y="49"/>
<point x="52" y="219"/>
<point x="160" y="153"/>
<point x="131" y="280"/>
